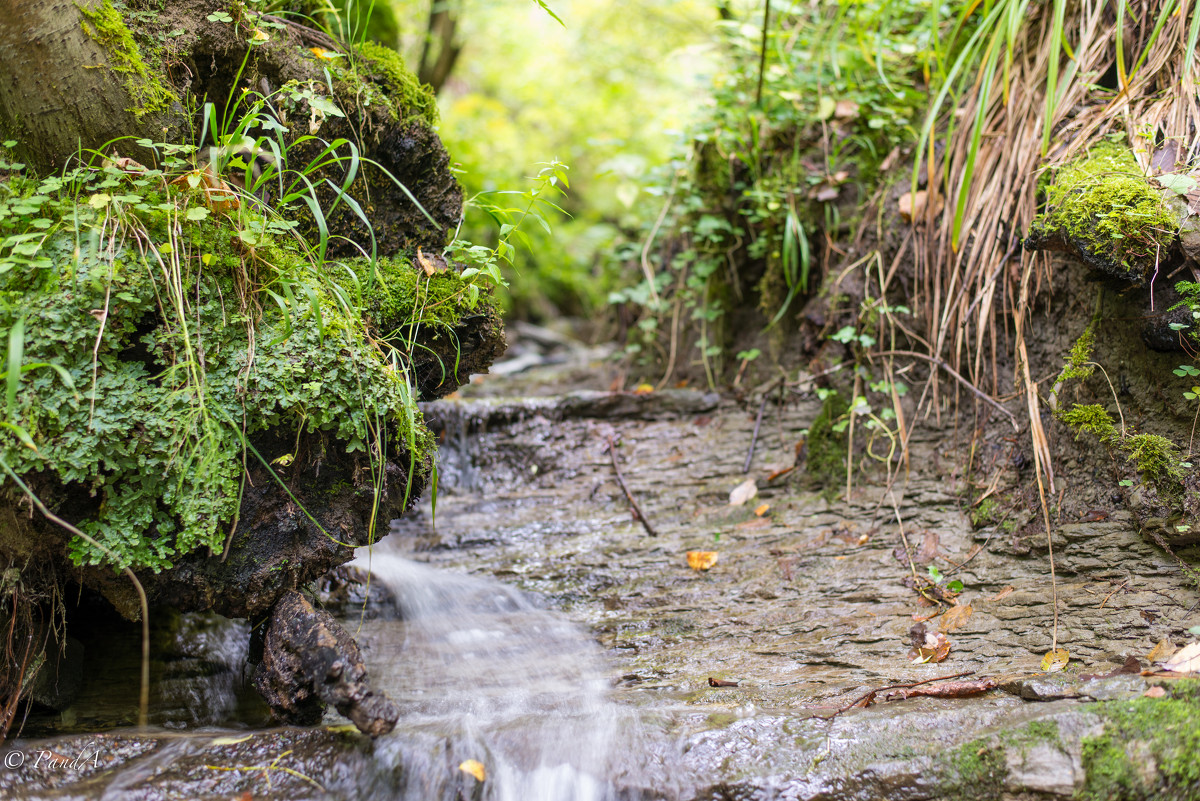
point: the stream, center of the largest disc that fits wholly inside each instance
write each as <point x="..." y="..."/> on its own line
<point x="531" y="625"/>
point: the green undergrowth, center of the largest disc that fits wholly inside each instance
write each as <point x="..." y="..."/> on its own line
<point x="148" y="335"/>
<point x="105" y="25"/>
<point x="1154" y="456"/>
<point x="1148" y="748"/>
<point x="1104" y="206"/>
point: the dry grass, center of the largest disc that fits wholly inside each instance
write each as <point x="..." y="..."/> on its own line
<point x="972" y="275"/>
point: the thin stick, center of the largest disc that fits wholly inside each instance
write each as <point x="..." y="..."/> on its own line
<point x="983" y="396"/>
<point x="869" y="694"/>
<point x="758" y="422"/>
<point x="637" y="510"/>
<point x="762" y="56"/>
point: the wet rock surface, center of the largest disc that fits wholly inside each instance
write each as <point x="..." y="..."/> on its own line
<point x="310" y="661"/>
<point x="809" y="606"/>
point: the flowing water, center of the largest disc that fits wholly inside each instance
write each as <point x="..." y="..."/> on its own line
<point x="482" y="672"/>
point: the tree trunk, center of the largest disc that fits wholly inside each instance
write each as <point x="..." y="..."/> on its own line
<point x="59" y="90"/>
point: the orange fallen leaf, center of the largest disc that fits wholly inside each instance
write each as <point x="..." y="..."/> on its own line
<point x="701" y="560"/>
<point x="743" y="492"/>
<point x="1055" y="660"/>
<point x="1161" y="652"/>
<point x="955" y="617"/>
<point x="431" y="263"/>
<point x="762" y="509"/>
<point x="643" y="389"/>
<point x="475" y="768"/>
<point x="1157" y="691"/>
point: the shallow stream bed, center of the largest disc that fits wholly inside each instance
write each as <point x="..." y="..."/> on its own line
<point x="588" y="671"/>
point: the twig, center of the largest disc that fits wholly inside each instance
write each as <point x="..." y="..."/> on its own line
<point x="758" y="422"/>
<point x="983" y="396"/>
<point x="870" y="694"/>
<point x="612" y="452"/>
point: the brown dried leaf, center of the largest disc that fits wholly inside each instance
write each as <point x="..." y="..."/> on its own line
<point x="431" y="263"/>
<point x="1157" y="691"/>
<point x="955" y="617"/>
<point x="1187" y="660"/>
<point x="845" y="110"/>
<point x="935" y="648"/>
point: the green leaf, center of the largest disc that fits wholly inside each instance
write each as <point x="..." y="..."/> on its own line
<point x="16" y="350"/>
<point x="197" y="213"/>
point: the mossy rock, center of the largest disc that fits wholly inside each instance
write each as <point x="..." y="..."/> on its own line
<point x="1103" y="210"/>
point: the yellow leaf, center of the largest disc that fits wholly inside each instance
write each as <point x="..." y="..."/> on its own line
<point x="431" y="264"/>
<point x="643" y="389"/>
<point x="701" y="560"/>
<point x="284" y="461"/>
<point x="762" y="509"/>
<point x="1055" y="660"/>
<point x="474" y="768"/>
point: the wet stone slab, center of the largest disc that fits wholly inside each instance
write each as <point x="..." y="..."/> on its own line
<point x="809" y="605"/>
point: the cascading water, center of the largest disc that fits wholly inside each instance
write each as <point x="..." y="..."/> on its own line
<point x="480" y="672"/>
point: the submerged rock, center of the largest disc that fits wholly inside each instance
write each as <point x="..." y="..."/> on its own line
<point x="309" y="661"/>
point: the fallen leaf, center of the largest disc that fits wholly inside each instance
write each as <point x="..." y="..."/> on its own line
<point x="643" y="389"/>
<point x="762" y="509"/>
<point x="1004" y="593"/>
<point x="1132" y="665"/>
<point x="1055" y="660"/>
<point x="1187" y="660"/>
<point x="743" y="492"/>
<point x="758" y="522"/>
<point x="935" y="648"/>
<point x="781" y="472"/>
<point x="913" y="205"/>
<point x="718" y="683"/>
<point x="1161" y="652"/>
<point x="475" y="768"/>
<point x="929" y="548"/>
<point x="701" y="560"/>
<point x="955" y="617"/>
<point x="431" y="263"/>
<point x="1157" y="691"/>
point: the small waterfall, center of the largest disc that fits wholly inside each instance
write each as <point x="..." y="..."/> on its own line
<point x="481" y="672"/>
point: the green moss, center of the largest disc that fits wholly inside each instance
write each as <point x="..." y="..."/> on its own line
<point x="104" y="25"/>
<point x="984" y="513"/>
<point x="145" y="429"/>
<point x="827" y="445"/>
<point x="405" y="95"/>
<point x="1104" y="206"/>
<point x="1148" y="748"/>
<point x="1155" y="457"/>
<point x="979" y="768"/>
<point x="401" y="295"/>
<point x="1078" y="361"/>
<point x="1092" y="419"/>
